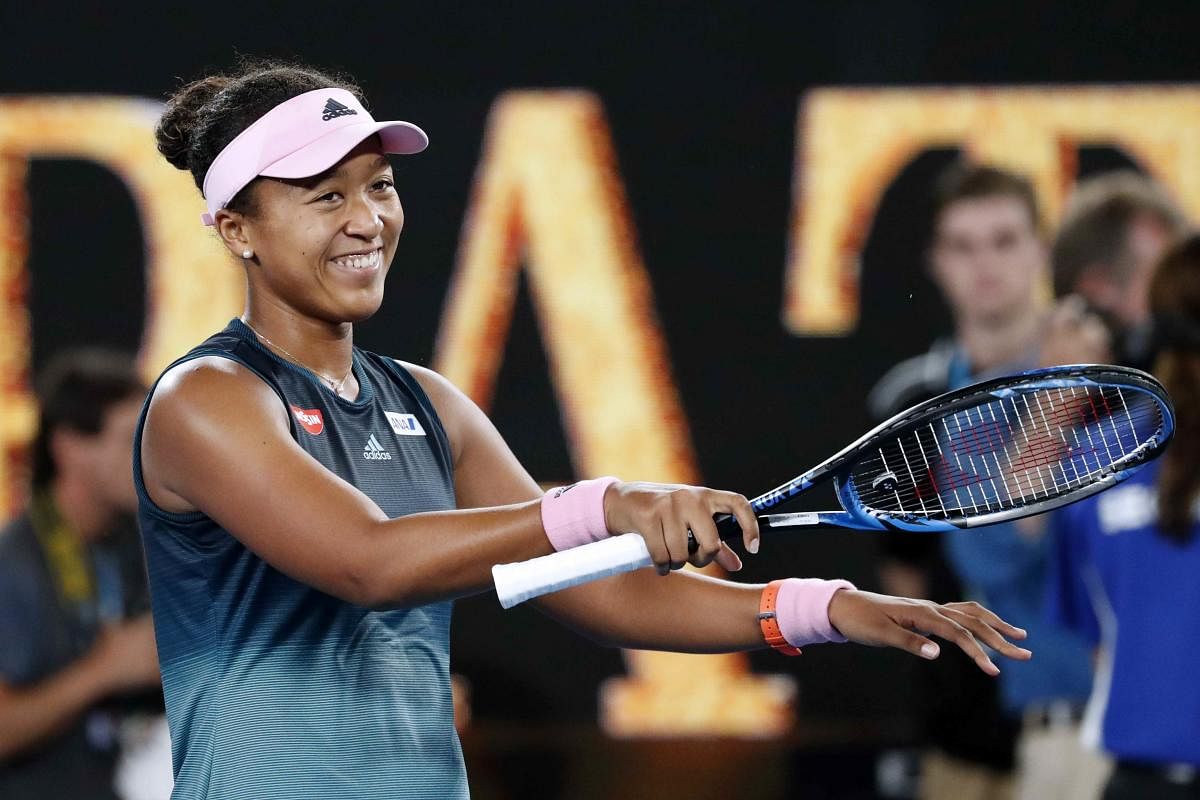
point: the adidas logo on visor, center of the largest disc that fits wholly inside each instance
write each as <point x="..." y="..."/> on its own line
<point x="335" y="109"/>
<point x="373" y="451"/>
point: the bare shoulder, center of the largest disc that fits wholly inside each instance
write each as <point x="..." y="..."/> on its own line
<point x="432" y="382"/>
<point x="211" y="385"/>
<point x="486" y="473"/>
<point x="455" y="409"/>
<point x="200" y="408"/>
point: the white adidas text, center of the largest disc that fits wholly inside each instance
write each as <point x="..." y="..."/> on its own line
<point x="373" y="450"/>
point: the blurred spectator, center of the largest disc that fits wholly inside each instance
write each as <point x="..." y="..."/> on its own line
<point x="1114" y="230"/>
<point x="77" y="637"/>
<point x="988" y="258"/>
<point x="1126" y="562"/>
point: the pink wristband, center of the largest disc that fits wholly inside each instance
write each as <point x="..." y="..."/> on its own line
<point x="574" y="515"/>
<point x="802" y="610"/>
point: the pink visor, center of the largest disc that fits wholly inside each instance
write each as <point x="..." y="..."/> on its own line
<point x="298" y="138"/>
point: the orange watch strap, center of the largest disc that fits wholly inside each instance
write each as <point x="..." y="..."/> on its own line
<point x="769" y="624"/>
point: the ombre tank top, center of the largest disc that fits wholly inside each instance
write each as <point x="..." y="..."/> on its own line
<point x="275" y="689"/>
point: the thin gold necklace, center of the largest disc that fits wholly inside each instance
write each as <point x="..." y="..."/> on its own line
<point x="335" y="385"/>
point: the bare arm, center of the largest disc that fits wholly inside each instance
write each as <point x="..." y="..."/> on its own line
<point x="217" y="439"/>
<point x="721" y="615"/>
<point x="685" y="611"/>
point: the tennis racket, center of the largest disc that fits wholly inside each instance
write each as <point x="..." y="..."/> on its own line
<point x="992" y="452"/>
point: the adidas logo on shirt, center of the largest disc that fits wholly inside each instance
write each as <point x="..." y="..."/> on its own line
<point x="335" y="109"/>
<point x="373" y="451"/>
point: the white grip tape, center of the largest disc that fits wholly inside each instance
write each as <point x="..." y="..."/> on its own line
<point x="524" y="580"/>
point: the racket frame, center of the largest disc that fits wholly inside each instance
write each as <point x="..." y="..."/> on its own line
<point x="858" y="517"/>
<point x="522" y="581"/>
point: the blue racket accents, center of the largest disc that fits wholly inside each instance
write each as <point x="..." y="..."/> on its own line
<point x="998" y="450"/>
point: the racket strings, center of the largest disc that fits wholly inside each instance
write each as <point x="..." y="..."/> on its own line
<point x="1031" y="474"/>
<point x="1007" y="452"/>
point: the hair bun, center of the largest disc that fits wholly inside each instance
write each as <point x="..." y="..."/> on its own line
<point x="202" y="118"/>
<point x="176" y="127"/>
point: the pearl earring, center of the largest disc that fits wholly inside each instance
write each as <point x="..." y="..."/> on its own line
<point x="247" y="253"/>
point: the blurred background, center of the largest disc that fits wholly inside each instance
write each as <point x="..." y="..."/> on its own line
<point x="745" y="192"/>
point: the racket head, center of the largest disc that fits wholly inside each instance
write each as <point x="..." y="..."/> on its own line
<point x="1004" y="449"/>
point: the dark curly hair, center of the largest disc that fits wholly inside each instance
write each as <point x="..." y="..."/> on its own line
<point x="206" y="115"/>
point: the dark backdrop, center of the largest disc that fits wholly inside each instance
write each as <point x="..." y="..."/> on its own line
<point x="702" y="102"/>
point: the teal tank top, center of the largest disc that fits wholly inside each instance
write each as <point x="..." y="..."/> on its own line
<point x="275" y="689"/>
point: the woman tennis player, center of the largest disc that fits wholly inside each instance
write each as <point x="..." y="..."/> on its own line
<point x="310" y="510"/>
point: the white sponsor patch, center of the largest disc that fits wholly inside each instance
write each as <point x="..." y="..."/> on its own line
<point x="404" y="424"/>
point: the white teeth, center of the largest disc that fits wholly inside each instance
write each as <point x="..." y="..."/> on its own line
<point x="359" y="261"/>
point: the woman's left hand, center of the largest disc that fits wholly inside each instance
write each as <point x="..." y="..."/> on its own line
<point x="883" y="621"/>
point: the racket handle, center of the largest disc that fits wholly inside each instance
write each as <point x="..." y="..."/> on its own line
<point x="525" y="580"/>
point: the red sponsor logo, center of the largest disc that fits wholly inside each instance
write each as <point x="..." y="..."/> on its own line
<point x="310" y="419"/>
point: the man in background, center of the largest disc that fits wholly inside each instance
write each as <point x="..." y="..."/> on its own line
<point x="77" y="640"/>
<point x="1115" y="228"/>
<point x="988" y="258"/>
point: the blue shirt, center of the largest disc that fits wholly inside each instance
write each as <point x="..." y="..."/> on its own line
<point x="1007" y="569"/>
<point x="1119" y="582"/>
<point x="275" y="689"/>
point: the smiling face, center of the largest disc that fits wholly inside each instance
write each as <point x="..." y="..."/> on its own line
<point x="322" y="246"/>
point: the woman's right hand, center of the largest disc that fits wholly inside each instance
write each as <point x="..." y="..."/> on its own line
<point x="664" y="513"/>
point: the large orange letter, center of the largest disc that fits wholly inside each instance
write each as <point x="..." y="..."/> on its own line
<point x="548" y="190"/>
<point x="193" y="290"/>
<point x="851" y="143"/>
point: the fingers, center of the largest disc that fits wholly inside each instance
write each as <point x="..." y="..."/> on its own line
<point x="656" y="543"/>
<point x="986" y="634"/>
<point x="899" y="622"/>
<point x="882" y="621"/>
<point x="729" y="560"/>
<point x="914" y="643"/>
<point x="929" y="618"/>
<point x="709" y="546"/>
<point x="674" y="531"/>
<point x="664" y="514"/>
<point x="976" y="610"/>
<point x="704" y="530"/>
<point x="688" y="520"/>
<point x="737" y="505"/>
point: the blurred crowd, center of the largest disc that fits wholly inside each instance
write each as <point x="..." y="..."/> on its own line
<point x="81" y="711"/>
<point x="1105" y="588"/>
<point x="1093" y="713"/>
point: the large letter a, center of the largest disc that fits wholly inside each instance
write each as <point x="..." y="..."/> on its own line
<point x="547" y="193"/>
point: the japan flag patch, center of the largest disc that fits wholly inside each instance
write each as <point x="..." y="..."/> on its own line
<point x="310" y="419"/>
